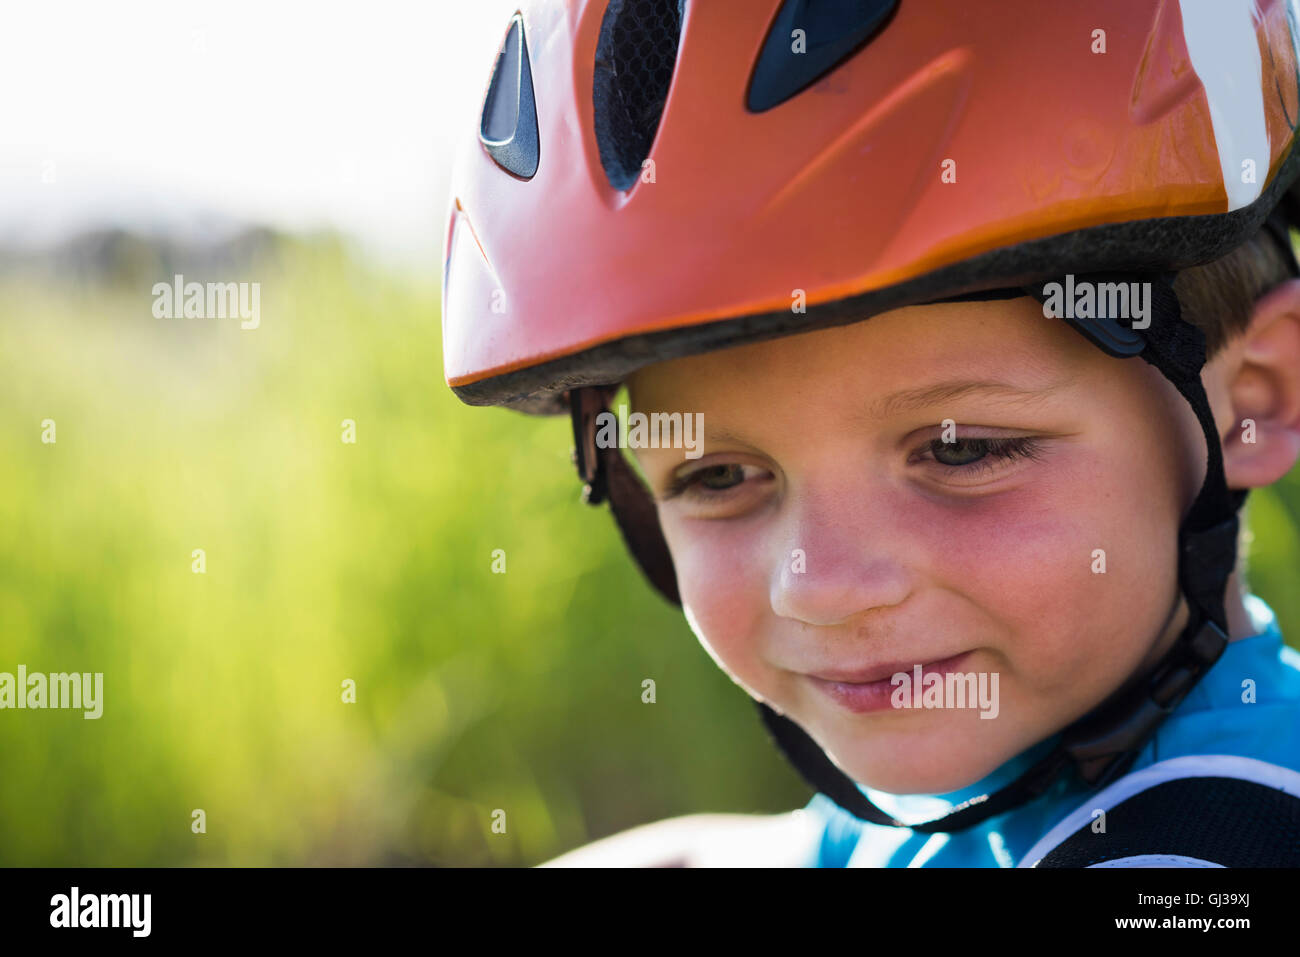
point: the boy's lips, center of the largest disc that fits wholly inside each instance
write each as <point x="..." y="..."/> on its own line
<point x="881" y="672"/>
<point x="870" y="689"/>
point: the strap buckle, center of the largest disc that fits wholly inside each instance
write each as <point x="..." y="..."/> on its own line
<point x="1103" y="750"/>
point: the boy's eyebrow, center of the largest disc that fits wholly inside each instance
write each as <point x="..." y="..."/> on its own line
<point x="724" y="435"/>
<point x="927" y="396"/>
<point x="910" y="399"/>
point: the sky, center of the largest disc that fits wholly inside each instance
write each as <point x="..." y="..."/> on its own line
<point x="191" y="117"/>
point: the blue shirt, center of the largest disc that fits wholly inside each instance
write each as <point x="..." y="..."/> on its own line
<point x="1212" y="719"/>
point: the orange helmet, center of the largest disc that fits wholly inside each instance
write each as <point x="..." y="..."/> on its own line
<point x="657" y="178"/>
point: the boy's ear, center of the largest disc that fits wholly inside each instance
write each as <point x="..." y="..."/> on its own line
<point x="1258" y="382"/>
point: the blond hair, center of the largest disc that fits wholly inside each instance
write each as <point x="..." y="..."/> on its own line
<point x="1219" y="297"/>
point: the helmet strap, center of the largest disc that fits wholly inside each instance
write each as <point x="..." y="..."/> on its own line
<point x="606" y="474"/>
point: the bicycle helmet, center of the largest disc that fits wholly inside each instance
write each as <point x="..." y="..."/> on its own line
<point x="655" y="178"/>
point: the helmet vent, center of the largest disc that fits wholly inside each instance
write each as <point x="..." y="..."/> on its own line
<point x="809" y="39"/>
<point x="508" y="127"/>
<point x="635" y="57"/>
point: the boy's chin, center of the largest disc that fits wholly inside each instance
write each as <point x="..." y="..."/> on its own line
<point x="937" y="771"/>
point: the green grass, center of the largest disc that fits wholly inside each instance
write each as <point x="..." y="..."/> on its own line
<point x="325" y="562"/>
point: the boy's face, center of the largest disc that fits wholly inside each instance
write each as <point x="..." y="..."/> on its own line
<point x="828" y="530"/>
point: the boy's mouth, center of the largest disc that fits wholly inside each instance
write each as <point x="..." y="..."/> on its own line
<point x="871" y="689"/>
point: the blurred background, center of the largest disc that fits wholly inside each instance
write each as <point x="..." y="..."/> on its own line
<point x="310" y="152"/>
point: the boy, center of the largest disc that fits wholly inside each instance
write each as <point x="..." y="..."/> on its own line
<point x="976" y="565"/>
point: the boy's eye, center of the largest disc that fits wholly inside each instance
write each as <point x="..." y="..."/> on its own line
<point x="967" y="454"/>
<point x="713" y="480"/>
<point x="720" y="477"/>
<point x="970" y="457"/>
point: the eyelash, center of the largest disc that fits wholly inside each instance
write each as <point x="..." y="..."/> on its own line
<point x="1004" y="449"/>
<point x="689" y="484"/>
<point x="1018" y="447"/>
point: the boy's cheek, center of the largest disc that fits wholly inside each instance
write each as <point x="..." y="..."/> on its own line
<point x="1074" y="632"/>
<point x="726" y="600"/>
<point x="1041" y="589"/>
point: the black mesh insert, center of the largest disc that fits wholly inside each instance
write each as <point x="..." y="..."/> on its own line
<point x="635" y="57"/>
<point x="1228" y="821"/>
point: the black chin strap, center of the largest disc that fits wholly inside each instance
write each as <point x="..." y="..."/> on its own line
<point x="1101" y="745"/>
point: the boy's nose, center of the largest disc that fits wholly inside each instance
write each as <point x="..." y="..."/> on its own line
<point x="834" y="570"/>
